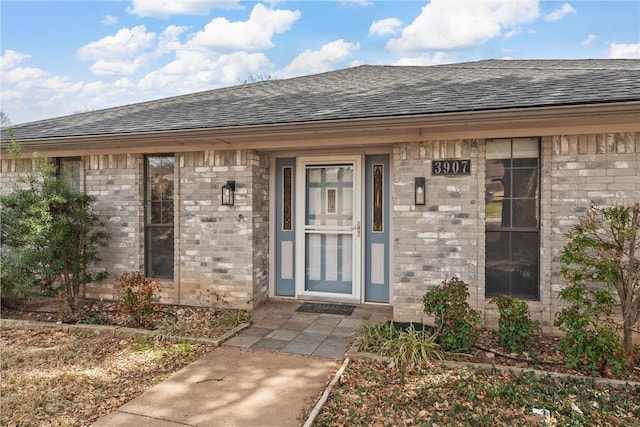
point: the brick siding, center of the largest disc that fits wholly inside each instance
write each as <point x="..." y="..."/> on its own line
<point x="446" y="238"/>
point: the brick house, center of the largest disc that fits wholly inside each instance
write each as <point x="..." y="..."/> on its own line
<point x="366" y="185"/>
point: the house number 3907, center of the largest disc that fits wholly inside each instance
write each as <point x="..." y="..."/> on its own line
<point x="451" y="167"/>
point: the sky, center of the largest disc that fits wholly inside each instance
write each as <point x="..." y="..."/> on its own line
<point x="66" y="57"/>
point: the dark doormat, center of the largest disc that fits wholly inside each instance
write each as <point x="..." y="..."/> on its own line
<point x="341" y="309"/>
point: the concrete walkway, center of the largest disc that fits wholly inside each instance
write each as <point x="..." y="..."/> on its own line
<point x="277" y="326"/>
<point x="231" y="386"/>
<point x="265" y="376"/>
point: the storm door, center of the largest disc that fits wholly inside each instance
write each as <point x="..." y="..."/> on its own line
<point x="329" y="210"/>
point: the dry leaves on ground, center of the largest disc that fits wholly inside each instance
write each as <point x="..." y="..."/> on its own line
<point x="371" y="394"/>
<point x="53" y="378"/>
<point x="173" y="320"/>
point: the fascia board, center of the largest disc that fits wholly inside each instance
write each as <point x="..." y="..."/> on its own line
<point x="593" y="118"/>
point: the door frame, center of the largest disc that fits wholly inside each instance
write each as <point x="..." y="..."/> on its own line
<point x="357" y="290"/>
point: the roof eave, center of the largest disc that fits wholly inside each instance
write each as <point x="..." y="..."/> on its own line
<point x="592" y="118"/>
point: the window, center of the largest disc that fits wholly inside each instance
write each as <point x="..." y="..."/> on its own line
<point x="159" y="180"/>
<point x="68" y="170"/>
<point x="512" y="217"/>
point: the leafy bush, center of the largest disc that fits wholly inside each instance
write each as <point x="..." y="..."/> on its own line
<point x="605" y="248"/>
<point x="515" y="325"/>
<point x="455" y="319"/>
<point x="592" y="341"/>
<point x="50" y="236"/>
<point x="137" y="297"/>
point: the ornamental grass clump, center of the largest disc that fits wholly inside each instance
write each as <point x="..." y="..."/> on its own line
<point x="409" y="348"/>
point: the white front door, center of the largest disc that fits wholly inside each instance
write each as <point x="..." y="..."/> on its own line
<point x="329" y="216"/>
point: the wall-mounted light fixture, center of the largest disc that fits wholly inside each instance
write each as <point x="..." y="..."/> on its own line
<point x="420" y="189"/>
<point x="228" y="193"/>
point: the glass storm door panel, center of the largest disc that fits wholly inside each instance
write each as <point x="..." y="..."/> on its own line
<point x="331" y="231"/>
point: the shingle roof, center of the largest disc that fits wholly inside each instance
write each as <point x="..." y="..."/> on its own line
<point x="365" y="92"/>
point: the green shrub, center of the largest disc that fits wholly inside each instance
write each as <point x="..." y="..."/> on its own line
<point x="50" y="237"/>
<point x="515" y="325"/>
<point x="455" y="319"/>
<point x="592" y="339"/>
<point x="137" y="297"/>
<point x="604" y="248"/>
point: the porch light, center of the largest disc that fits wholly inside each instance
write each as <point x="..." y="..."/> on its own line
<point x="228" y="193"/>
<point x="420" y="190"/>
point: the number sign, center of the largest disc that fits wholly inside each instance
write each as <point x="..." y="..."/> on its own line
<point x="451" y="167"/>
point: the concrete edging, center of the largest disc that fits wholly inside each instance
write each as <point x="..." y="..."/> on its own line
<point x="325" y="395"/>
<point x="116" y="330"/>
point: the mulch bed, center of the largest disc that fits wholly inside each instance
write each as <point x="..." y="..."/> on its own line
<point x="200" y="322"/>
<point x="543" y="356"/>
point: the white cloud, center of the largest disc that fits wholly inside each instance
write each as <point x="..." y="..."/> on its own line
<point x="11" y="58"/>
<point x="427" y="59"/>
<point x="560" y="13"/>
<point x="30" y="93"/>
<point x="622" y="50"/>
<point x="109" y="68"/>
<point x="317" y="61"/>
<point x="512" y="33"/>
<point x="109" y="20"/>
<point x="129" y="49"/>
<point x="205" y="59"/>
<point x="125" y="43"/>
<point x="166" y="8"/>
<point x="169" y="41"/>
<point x="253" y="34"/>
<point x="385" y="26"/>
<point x="588" y="40"/>
<point x="10" y="95"/>
<point x="450" y="24"/>
<point x="194" y="71"/>
<point x="222" y="53"/>
<point x="22" y="77"/>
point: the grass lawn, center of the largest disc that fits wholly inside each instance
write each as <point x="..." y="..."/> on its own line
<point x="54" y="378"/>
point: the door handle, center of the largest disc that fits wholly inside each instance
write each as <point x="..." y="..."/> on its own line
<point x="358" y="229"/>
